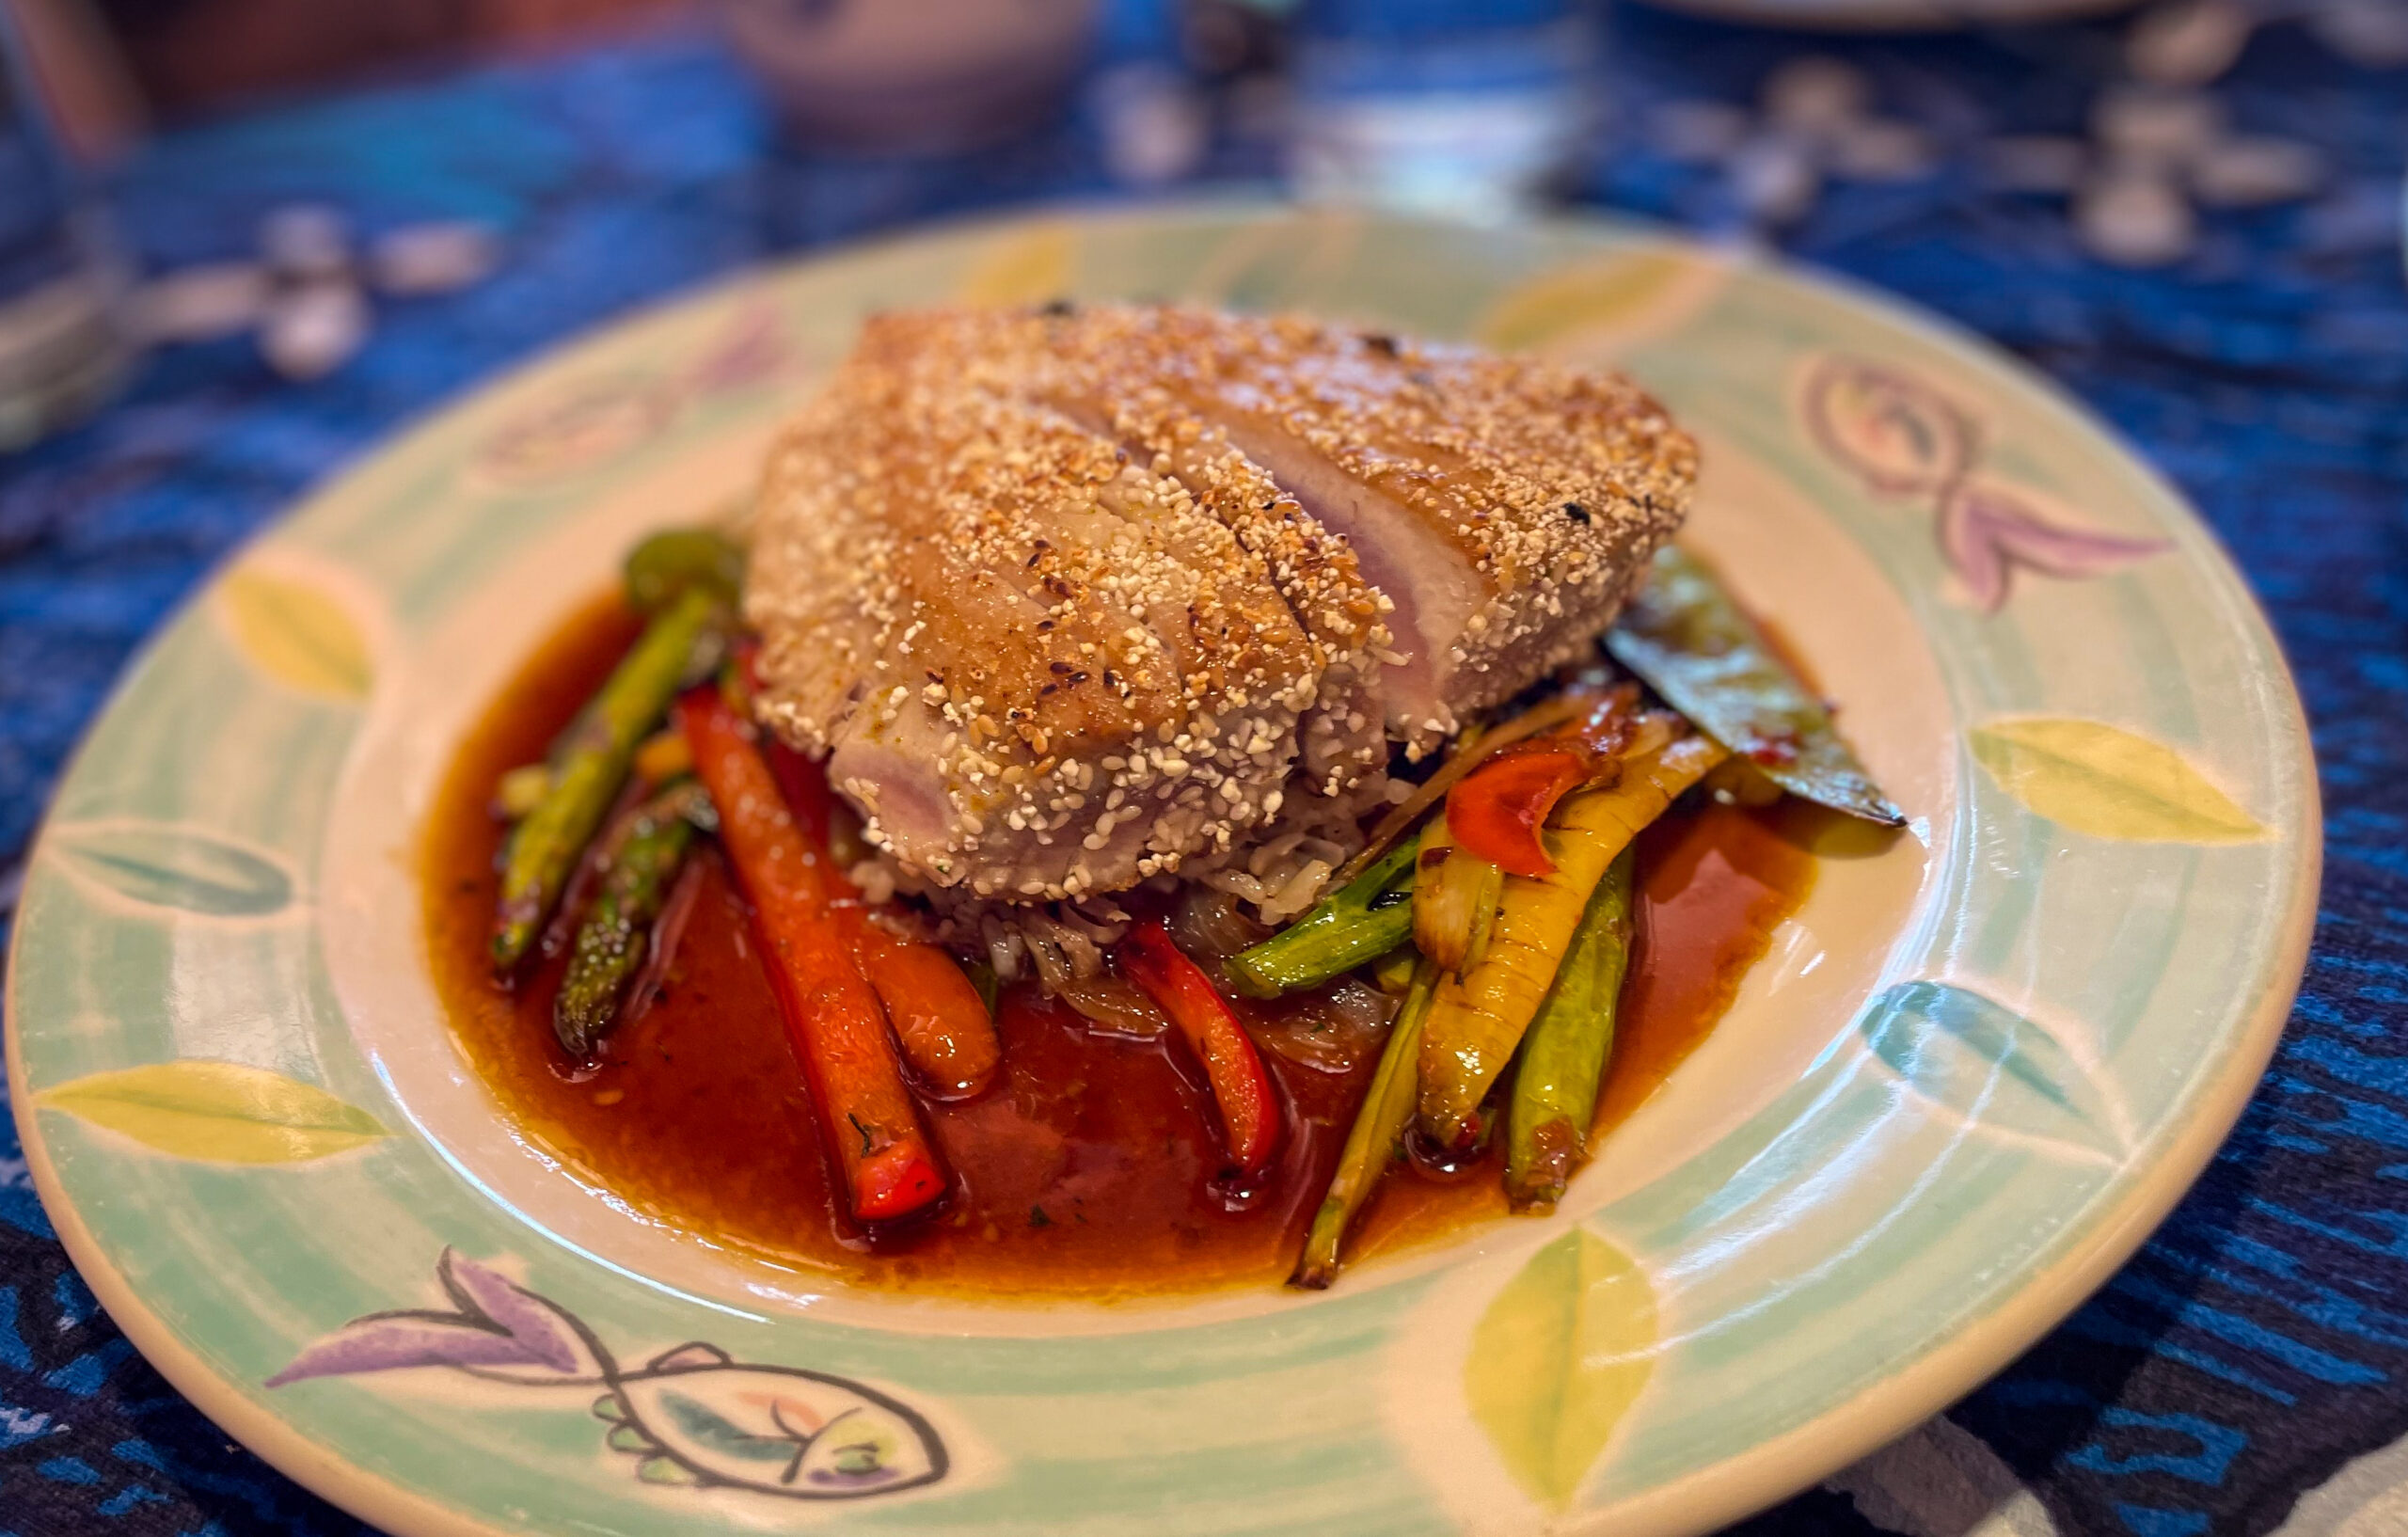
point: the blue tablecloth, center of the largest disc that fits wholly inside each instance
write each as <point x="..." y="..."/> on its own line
<point x="2252" y="1351"/>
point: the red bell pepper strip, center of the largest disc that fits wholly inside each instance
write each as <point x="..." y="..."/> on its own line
<point x="1240" y="1086"/>
<point x="832" y="1017"/>
<point x="1495" y="812"/>
<point x="805" y="784"/>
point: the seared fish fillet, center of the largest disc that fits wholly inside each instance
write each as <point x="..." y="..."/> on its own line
<point x="1069" y="597"/>
<point x="1503" y="505"/>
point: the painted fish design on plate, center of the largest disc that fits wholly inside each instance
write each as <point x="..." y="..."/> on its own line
<point x="692" y="1416"/>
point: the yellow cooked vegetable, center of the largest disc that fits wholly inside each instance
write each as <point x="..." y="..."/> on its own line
<point x="662" y="758"/>
<point x="1476" y="1021"/>
<point x="1454" y="901"/>
<point x="521" y="790"/>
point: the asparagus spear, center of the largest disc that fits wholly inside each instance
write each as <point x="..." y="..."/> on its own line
<point x="1697" y="647"/>
<point x="650" y="851"/>
<point x="521" y="790"/>
<point x="1372" y="1142"/>
<point x="1563" y="1055"/>
<point x="669" y="563"/>
<point x="1393" y="972"/>
<point x="1357" y="924"/>
<point x="590" y="762"/>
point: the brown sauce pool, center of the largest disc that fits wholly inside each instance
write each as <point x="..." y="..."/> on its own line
<point x="1088" y="1169"/>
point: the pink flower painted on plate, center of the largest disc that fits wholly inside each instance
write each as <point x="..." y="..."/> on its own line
<point x="1897" y="434"/>
<point x="1985" y="532"/>
<point x="1904" y="438"/>
<point x="578" y="426"/>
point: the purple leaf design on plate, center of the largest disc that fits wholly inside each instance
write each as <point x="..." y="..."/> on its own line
<point x="390" y="1342"/>
<point x="534" y="1322"/>
<point x="498" y="1325"/>
<point x="1985" y="532"/>
<point x="1897" y="434"/>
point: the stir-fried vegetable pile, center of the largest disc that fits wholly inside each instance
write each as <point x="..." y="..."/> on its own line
<point x="1497" y="898"/>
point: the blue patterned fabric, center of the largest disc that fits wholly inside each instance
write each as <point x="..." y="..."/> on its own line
<point x="2257" y="1345"/>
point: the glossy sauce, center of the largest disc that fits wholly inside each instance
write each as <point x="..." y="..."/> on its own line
<point x="1088" y="1168"/>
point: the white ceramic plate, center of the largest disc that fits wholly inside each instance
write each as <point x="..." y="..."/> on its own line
<point x="1973" y="1071"/>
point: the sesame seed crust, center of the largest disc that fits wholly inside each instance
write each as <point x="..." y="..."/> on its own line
<point x="1023" y="578"/>
<point x="1486" y="454"/>
<point x="990" y="620"/>
<point x="1105" y="366"/>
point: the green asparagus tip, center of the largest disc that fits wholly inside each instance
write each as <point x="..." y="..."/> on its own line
<point x="667" y="563"/>
<point x="590" y="762"/>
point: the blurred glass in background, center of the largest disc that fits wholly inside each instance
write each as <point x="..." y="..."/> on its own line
<point x="1474" y="109"/>
<point x="912" y="75"/>
<point x="60" y="345"/>
<point x="885" y="109"/>
<point x="1468" y="108"/>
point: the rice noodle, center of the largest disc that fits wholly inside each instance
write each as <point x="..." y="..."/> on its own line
<point x="1063" y="944"/>
<point x="1114" y="1005"/>
<point x="874" y="880"/>
<point x="1210" y="926"/>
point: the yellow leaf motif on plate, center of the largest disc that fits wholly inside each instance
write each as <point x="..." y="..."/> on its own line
<point x="1578" y="298"/>
<point x="1029" y="268"/>
<point x="220" y="1111"/>
<point x="2104" y="780"/>
<point x="296" y="634"/>
<point x="1558" y="1359"/>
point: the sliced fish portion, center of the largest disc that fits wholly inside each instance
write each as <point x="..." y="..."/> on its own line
<point x="1038" y="669"/>
<point x="1068" y="598"/>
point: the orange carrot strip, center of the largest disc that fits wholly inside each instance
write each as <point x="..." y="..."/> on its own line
<point x="939" y="1018"/>
<point x="940" y="1021"/>
<point x="832" y="1015"/>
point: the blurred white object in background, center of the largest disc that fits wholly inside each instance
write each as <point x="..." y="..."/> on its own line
<point x="1156" y="125"/>
<point x="432" y="258"/>
<point x="1897" y="15"/>
<point x="1817" y="120"/>
<point x="911" y="74"/>
<point x="2193" y="42"/>
<point x="306" y="293"/>
<point x="1472" y="111"/>
<point x="2130" y="214"/>
<point x="2188" y="42"/>
<point x="2155" y="156"/>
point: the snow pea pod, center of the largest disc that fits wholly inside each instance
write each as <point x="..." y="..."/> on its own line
<point x="1684" y="634"/>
